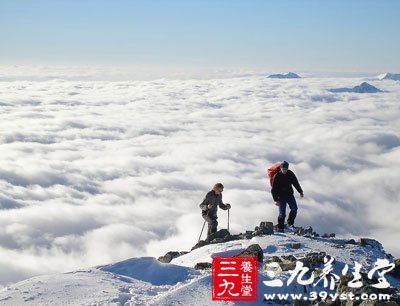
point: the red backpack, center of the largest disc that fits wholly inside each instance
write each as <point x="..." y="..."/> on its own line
<point x="272" y="171"/>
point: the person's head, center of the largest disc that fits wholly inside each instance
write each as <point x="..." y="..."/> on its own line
<point x="284" y="166"/>
<point x="218" y="188"/>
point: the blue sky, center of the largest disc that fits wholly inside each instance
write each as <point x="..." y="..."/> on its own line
<point x="289" y="35"/>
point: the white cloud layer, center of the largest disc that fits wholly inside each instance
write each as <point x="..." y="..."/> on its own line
<point x="94" y="171"/>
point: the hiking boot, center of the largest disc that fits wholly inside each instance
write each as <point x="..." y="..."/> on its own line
<point x="292" y="217"/>
<point x="280" y="230"/>
<point x="281" y="223"/>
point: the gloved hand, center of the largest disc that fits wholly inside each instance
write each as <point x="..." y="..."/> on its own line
<point x="228" y="206"/>
<point x="301" y="195"/>
<point x="277" y="203"/>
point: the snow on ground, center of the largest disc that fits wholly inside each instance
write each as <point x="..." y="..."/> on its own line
<point x="85" y="287"/>
<point x="279" y="245"/>
<point x="150" y="270"/>
<point x="137" y="280"/>
<point x="145" y="281"/>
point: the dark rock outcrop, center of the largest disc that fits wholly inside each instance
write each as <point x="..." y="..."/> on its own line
<point x="367" y="288"/>
<point x="313" y="260"/>
<point x="253" y="250"/>
<point x="170" y="255"/>
<point x="396" y="271"/>
<point x="295" y="245"/>
<point x="220" y="236"/>
<point x="338" y="245"/>
<point x="351" y="241"/>
<point x="367" y="242"/>
<point x="223" y="235"/>
<point x="288" y="263"/>
<point x="203" y="266"/>
<point x="199" y="244"/>
<point x="246" y="235"/>
<point x="306" y="232"/>
<point x="273" y="259"/>
<point x="265" y="228"/>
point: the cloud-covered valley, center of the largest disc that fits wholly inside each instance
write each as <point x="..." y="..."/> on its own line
<point x="98" y="171"/>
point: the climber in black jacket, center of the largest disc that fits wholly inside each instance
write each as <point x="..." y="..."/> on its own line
<point x="282" y="193"/>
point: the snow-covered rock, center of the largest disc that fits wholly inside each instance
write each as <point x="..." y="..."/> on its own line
<point x="146" y="281"/>
<point x="289" y="75"/>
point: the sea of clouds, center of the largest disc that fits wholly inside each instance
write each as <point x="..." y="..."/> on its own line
<point x="93" y="172"/>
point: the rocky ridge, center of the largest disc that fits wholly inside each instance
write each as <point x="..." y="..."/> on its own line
<point x="314" y="260"/>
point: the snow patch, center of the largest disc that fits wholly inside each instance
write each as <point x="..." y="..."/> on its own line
<point x="149" y="269"/>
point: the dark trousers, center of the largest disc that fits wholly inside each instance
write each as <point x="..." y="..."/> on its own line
<point x="212" y="224"/>
<point x="291" y="201"/>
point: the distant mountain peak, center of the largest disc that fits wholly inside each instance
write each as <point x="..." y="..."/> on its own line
<point x="364" y="87"/>
<point x="289" y="75"/>
<point x="389" y="76"/>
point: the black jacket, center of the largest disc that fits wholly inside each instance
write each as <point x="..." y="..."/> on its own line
<point x="282" y="185"/>
<point x="214" y="199"/>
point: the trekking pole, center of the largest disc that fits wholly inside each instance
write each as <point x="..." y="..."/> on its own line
<point x="228" y="219"/>
<point x="202" y="230"/>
